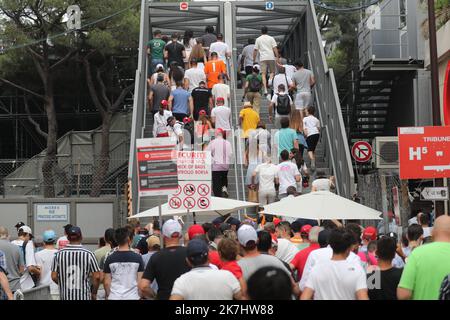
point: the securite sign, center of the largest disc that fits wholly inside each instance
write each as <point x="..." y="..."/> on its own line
<point x="424" y="152"/>
<point x="157" y="167"/>
<point x="194" y="165"/>
<point x="191" y="195"/>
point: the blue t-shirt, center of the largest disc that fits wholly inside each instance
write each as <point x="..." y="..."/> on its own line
<point x="180" y="102"/>
<point x="285" y="138"/>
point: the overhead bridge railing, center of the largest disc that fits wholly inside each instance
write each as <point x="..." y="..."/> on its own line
<point x="327" y="102"/>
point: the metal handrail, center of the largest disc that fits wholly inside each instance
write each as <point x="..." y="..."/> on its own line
<point x="334" y="135"/>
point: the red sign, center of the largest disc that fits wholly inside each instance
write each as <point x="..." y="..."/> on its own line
<point x="447" y="96"/>
<point x="203" y="203"/>
<point x="362" y="151"/>
<point x="189" y="203"/>
<point x="184" y="6"/>
<point x="175" y="203"/>
<point x="189" y="190"/>
<point x="424" y="152"/>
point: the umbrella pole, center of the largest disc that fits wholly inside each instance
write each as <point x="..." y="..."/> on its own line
<point x="160" y="221"/>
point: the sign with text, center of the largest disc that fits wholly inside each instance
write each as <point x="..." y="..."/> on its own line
<point x="194" y="165"/>
<point x="157" y="168"/>
<point x="424" y="152"/>
<point x="191" y="195"/>
<point x="434" y="194"/>
<point x="52" y="211"/>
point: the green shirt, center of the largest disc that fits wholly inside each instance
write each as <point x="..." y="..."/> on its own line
<point x="250" y="77"/>
<point x="426" y="268"/>
<point x="156" y="48"/>
<point x="285" y="138"/>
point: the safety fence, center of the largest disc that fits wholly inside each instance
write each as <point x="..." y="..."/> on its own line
<point x="37" y="293"/>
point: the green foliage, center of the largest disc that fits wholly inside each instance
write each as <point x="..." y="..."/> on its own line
<point x="337" y="60"/>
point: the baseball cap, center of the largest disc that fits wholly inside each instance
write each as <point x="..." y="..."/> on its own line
<point x="202" y="113"/>
<point x="170" y="227"/>
<point x="370" y="233"/>
<point x="195" y="230"/>
<point x="247" y="104"/>
<point x="74" y="231"/>
<point x="220" y="99"/>
<point x="49" y="236"/>
<point x="276" y="221"/>
<point x="169" y="119"/>
<point x="26" y="229"/>
<point x="306" y="229"/>
<point x="164" y="103"/>
<point x="246" y="234"/>
<point x="186" y="120"/>
<point x="153" y="241"/>
<point x="219" y="131"/>
<point x="256" y="66"/>
<point x="159" y="65"/>
<point x="197" y="249"/>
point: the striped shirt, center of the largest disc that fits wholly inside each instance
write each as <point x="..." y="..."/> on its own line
<point x="74" y="264"/>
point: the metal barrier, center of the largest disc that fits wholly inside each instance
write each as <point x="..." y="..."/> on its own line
<point x="334" y="135"/>
<point x="37" y="293"/>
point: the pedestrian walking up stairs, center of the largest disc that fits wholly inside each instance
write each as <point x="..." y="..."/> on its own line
<point x="294" y="25"/>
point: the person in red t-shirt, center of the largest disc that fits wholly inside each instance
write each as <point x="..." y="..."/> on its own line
<point x="299" y="261"/>
<point x="228" y="250"/>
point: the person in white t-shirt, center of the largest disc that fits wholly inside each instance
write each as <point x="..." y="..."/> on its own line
<point x="221" y="115"/>
<point x="221" y="90"/>
<point x="286" y="250"/>
<point x="311" y="129"/>
<point x="160" y="120"/>
<point x="26" y="248"/>
<point x="266" y="46"/>
<point x="284" y="109"/>
<point x="220" y="47"/>
<point x="290" y="70"/>
<point x="246" y="61"/>
<point x="322" y="183"/>
<point x="336" y="278"/>
<point x="288" y="174"/>
<point x="63" y="241"/>
<point x="424" y="220"/>
<point x="203" y="282"/>
<point x="280" y="78"/>
<point x="267" y="174"/>
<point x="44" y="259"/>
<point x="175" y="130"/>
<point x="193" y="76"/>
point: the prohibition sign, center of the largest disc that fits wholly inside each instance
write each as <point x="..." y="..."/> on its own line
<point x="178" y="191"/>
<point x="175" y="203"/>
<point x="203" y="190"/>
<point x="189" y="203"/>
<point x="203" y="203"/>
<point x="189" y="189"/>
<point x="362" y="151"/>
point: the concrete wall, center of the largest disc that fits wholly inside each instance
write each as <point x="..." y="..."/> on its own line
<point x="93" y="216"/>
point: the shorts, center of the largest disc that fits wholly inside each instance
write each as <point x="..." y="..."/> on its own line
<point x="302" y="100"/>
<point x="267" y="64"/>
<point x="312" y="141"/>
<point x="266" y="197"/>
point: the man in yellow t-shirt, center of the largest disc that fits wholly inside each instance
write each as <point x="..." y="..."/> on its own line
<point x="248" y="119"/>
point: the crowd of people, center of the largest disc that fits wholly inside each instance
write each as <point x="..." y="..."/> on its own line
<point x="230" y="259"/>
<point x="189" y="97"/>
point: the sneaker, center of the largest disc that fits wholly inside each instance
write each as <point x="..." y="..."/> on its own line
<point x="265" y="92"/>
<point x="225" y="192"/>
<point x="269" y="98"/>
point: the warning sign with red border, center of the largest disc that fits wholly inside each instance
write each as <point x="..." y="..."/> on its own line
<point x="362" y="151"/>
<point x="191" y="195"/>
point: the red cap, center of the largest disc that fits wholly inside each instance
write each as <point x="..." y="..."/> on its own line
<point x="194" y="230"/>
<point x="164" y="103"/>
<point x="202" y="113"/>
<point x="220" y="99"/>
<point x="186" y="120"/>
<point x="276" y="221"/>
<point x="219" y="131"/>
<point x="306" y="229"/>
<point x="370" y="233"/>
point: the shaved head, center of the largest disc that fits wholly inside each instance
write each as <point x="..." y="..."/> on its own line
<point x="441" y="230"/>
<point x="3" y="232"/>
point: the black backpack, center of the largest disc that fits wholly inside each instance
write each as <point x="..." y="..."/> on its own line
<point x="255" y="84"/>
<point x="283" y="105"/>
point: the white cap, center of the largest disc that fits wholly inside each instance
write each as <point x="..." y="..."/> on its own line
<point x="257" y="66"/>
<point x="246" y="233"/>
<point x="26" y="229"/>
<point x="170" y="227"/>
<point x="159" y="65"/>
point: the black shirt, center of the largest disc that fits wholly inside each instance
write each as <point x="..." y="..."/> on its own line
<point x="389" y="280"/>
<point x="166" y="266"/>
<point x="200" y="97"/>
<point x="175" y="53"/>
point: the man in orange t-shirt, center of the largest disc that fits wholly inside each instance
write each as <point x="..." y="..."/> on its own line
<point x="213" y="69"/>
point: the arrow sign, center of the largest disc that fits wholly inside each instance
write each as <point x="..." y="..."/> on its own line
<point x="435" y="194"/>
<point x="362" y="151"/>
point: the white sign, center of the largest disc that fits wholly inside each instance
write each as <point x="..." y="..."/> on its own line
<point x="194" y="165"/>
<point x="191" y="195"/>
<point x="270" y="5"/>
<point x="435" y="193"/>
<point x="52" y="212"/>
<point x="74" y="17"/>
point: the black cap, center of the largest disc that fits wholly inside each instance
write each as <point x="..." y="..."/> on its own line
<point x="197" y="248"/>
<point x="74" y="231"/>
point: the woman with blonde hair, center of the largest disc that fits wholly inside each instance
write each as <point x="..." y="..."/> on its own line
<point x="198" y="54"/>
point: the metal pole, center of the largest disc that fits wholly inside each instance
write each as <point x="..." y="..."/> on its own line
<point x="384" y="203"/>
<point x="436" y="103"/>
<point x="161" y="238"/>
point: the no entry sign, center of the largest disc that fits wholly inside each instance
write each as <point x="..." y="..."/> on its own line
<point x="424" y="152"/>
<point x="362" y="151"/>
<point x="194" y="195"/>
<point x="184" y="6"/>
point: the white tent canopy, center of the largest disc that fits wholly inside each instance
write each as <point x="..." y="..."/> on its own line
<point x="220" y="206"/>
<point x="321" y="205"/>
